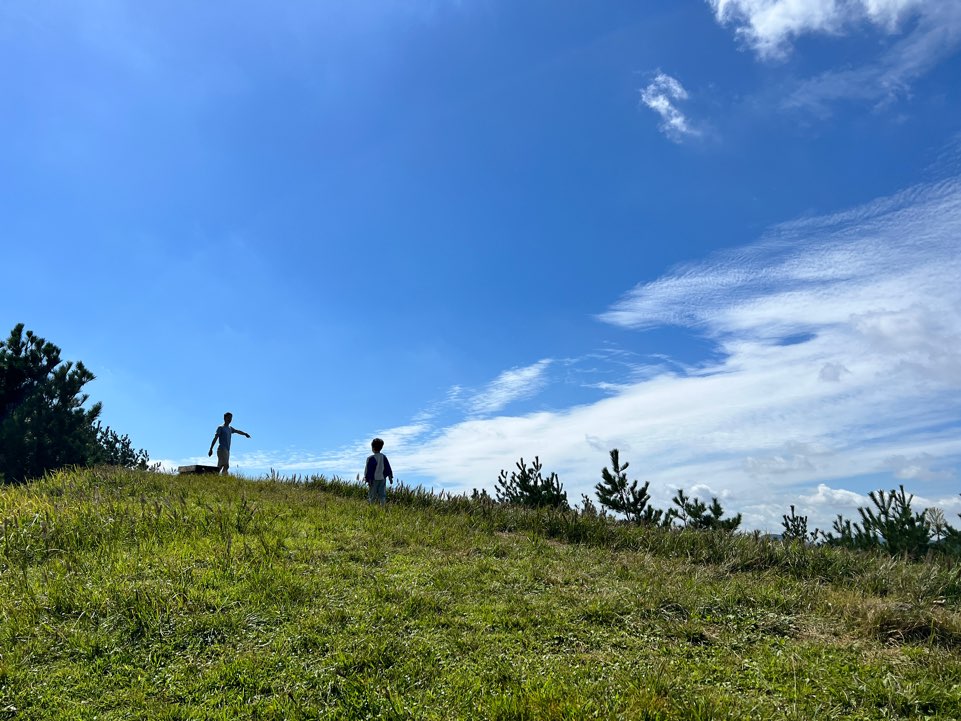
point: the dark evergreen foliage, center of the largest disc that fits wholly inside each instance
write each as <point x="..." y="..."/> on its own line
<point x="694" y="513"/>
<point x="113" y="449"/>
<point x="527" y="486"/>
<point x="44" y="423"/>
<point x="588" y="508"/>
<point x="481" y="495"/>
<point x="796" y="528"/>
<point x="619" y="495"/>
<point x="892" y="524"/>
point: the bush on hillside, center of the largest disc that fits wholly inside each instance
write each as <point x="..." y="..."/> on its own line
<point x="621" y="496"/>
<point x="695" y="514"/>
<point x="796" y="528"/>
<point x="527" y="486"/>
<point x="891" y="525"/>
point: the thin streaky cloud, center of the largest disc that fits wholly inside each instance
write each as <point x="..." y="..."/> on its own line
<point x="836" y="369"/>
<point x="511" y="385"/>
<point x="873" y="293"/>
<point x="783" y="279"/>
<point x="936" y="37"/>
<point x="918" y="468"/>
<point x="662" y="96"/>
<point x="345" y="461"/>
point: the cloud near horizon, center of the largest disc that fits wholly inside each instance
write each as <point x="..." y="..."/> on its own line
<point x="839" y="340"/>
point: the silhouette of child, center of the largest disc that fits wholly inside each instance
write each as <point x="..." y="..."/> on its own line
<point x="223" y="434"/>
<point x="376" y="473"/>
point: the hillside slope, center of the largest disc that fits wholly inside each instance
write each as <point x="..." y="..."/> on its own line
<point x="139" y="595"/>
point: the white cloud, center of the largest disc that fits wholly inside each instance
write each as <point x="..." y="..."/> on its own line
<point x="826" y="496"/>
<point x="918" y="468"/>
<point x="511" y="385"/>
<point x="167" y="465"/>
<point x="662" y="96"/>
<point x="847" y="268"/>
<point x="936" y="36"/>
<point x="873" y="296"/>
<point x="836" y="369"/>
<point x="922" y="33"/>
<point x="832" y="372"/>
<point x="792" y="457"/>
<point x="769" y="26"/>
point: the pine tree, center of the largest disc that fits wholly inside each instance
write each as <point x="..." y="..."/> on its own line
<point x="895" y="524"/>
<point x="795" y="527"/>
<point x="849" y="535"/>
<point x="527" y="486"/>
<point x="113" y="449"/>
<point x="619" y="495"/>
<point x="938" y="523"/>
<point x="694" y="513"/>
<point x="892" y="525"/>
<point x="588" y="508"/>
<point x="43" y="421"/>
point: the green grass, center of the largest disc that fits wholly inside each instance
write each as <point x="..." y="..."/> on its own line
<point x="129" y="595"/>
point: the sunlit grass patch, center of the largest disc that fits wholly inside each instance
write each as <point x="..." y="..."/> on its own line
<point x="144" y="595"/>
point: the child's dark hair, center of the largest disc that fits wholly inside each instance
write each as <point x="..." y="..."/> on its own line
<point x="228" y="413"/>
<point x="377" y="444"/>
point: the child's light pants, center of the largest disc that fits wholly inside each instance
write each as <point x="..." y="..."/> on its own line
<point x="377" y="491"/>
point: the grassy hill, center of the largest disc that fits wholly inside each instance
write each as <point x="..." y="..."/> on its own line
<point x="127" y="595"/>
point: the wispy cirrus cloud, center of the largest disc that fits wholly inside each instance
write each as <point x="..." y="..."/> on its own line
<point x="839" y="340"/>
<point x="836" y="369"/>
<point x="923" y="33"/>
<point x="936" y="36"/>
<point x="346" y="461"/>
<point x="780" y="285"/>
<point x="511" y="385"/>
<point x="662" y="95"/>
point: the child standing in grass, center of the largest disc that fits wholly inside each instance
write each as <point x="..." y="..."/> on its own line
<point x="223" y="435"/>
<point x="376" y="473"/>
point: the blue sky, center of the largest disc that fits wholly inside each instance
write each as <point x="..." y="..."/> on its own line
<point x="720" y="236"/>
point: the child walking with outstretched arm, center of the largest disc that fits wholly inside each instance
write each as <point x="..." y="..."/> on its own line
<point x="376" y="473"/>
<point x="222" y="436"/>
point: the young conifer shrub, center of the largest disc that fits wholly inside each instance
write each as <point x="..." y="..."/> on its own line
<point x="891" y="525"/>
<point x="624" y="497"/>
<point x="45" y="423"/>
<point x="795" y="527"/>
<point x="894" y="524"/>
<point x="694" y="513"/>
<point x="527" y="486"/>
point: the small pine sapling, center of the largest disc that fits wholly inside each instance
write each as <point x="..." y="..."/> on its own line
<point x="527" y="486"/>
<point x="893" y="522"/>
<point x="796" y="527"/>
<point x="938" y="523"/>
<point x="618" y="495"/>
<point x="588" y="509"/>
<point x="695" y="514"/>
